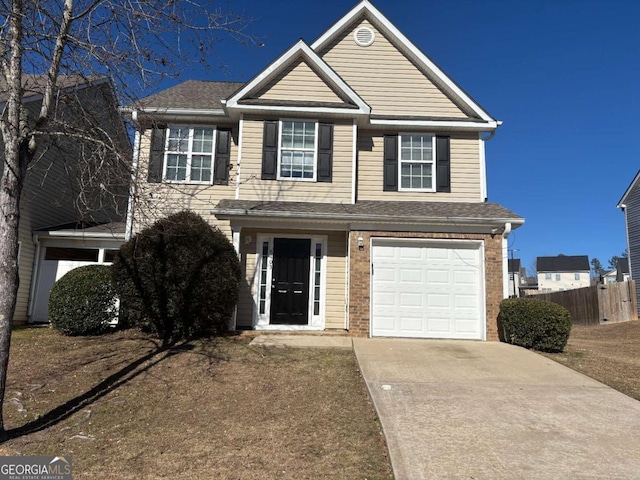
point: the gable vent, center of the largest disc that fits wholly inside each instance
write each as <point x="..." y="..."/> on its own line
<point x="364" y="36"/>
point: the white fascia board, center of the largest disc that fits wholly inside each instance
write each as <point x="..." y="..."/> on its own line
<point x="632" y="185"/>
<point x="347" y="113"/>
<point x="300" y="48"/>
<point x="421" y="57"/>
<point x="82" y="235"/>
<point x="480" y="126"/>
<point x="229" y="213"/>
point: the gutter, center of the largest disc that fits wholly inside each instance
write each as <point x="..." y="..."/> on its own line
<point x="34" y="276"/>
<point x="76" y="235"/>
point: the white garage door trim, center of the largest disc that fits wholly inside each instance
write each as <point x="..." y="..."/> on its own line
<point x="451" y="244"/>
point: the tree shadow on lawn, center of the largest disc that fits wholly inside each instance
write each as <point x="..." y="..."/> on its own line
<point x="108" y="385"/>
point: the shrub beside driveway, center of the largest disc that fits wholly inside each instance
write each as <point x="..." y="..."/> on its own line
<point x="209" y="410"/>
<point x="607" y="353"/>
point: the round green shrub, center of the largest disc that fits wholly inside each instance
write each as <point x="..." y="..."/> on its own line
<point x="83" y="302"/>
<point x="535" y="324"/>
<point x="179" y="278"/>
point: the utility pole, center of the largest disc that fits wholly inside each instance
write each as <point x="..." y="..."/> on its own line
<point x="513" y="274"/>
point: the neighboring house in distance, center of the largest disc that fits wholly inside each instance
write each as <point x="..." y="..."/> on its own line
<point x="517" y="277"/>
<point x="622" y="272"/>
<point x="564" y="272"/>
<point x="53" y="237"/>
<point x="610" y="277"/>
<point x="349" y="175"/>
<point x="630" y="206"/>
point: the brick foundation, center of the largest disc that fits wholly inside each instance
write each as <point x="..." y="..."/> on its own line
<point x="360" y="279"/>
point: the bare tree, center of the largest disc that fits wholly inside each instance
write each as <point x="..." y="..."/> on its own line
<point x="132" y="43"/>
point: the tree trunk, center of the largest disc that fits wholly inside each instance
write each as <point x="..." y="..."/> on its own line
<point x="10" y="191"/>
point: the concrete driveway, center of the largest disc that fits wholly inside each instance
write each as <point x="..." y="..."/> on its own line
<point x="480" y="410"/>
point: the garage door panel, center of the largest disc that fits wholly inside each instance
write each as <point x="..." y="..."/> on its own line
<point x="427" y="291"/>
<point x="412" y="300"/>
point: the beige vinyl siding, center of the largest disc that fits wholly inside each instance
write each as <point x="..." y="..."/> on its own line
<point x="335" y="302"/>
<point x="299" y="82"/>
<point x="157" y="200"/>
<point x="254" y="188"/>
<point x="465" y="171"/>
<point x="387" y="80"/>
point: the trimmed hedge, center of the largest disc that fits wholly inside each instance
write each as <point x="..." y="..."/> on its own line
<point x="535" y="324"/>
<point x="83" y="302"/>
<point x="179" y="278"/>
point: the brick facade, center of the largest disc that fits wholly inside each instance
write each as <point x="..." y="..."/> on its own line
<point x="360" y="278"/>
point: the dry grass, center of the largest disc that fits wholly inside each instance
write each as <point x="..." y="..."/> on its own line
<point x="210" y="410"/>
<point x="608" y="353"/>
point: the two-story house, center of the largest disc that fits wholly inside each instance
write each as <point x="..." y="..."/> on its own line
<point x="564" y="272"/>
<point x="349" y="175"/>
<point x="630" y="206"/>
<point x="55" y="234"/>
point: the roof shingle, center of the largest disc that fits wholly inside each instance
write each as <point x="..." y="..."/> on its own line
<point x="196" y="94"/>
<point x="563" y="263"/>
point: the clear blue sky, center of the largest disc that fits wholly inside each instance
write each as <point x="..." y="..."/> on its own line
<point x="563" y="76"/>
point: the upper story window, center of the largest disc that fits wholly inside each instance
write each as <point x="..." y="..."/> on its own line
<point x="416" y="162"/>
<point x="557" y="277"/>
<point x="297" y="159"/>
<point x="189" y="154"/>
<point x="547" y="276"/>
<point x="576" y="276"/>
<point x="297" y="150"/>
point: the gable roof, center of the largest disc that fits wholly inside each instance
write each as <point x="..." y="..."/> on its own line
<point x="299" y="50"/>
<point x="563" y="263"/>
<point x="632" y="185"/>
<point x="366" y="9"/>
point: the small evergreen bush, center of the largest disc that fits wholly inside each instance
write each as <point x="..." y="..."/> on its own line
<point x="179" y="278"/>
<point x="83" y="302"/>
<point x="535" y="324"/>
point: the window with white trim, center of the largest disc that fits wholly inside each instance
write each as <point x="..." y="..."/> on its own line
<point x="189" y="154"/>
<point x="547" y="276"/>
<point x="297" y="150"/>
<point x="557" y="277"/>
<point x="416" y="158"/>
<point x="576" y="276"/>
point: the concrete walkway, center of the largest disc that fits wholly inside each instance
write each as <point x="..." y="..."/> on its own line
<point x="487" y="410"/>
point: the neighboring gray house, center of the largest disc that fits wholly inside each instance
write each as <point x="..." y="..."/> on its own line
<point x="564" y="272"/>
<point x="630" y="205"/>
<point x="54" y="237"/>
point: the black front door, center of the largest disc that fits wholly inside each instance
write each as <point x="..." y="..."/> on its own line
<point x="290" y="284"/>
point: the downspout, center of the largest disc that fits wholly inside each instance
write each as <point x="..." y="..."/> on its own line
<point x="34" y="277"/>
<point x="505" y="260"/>
<point x="483" y="165"/>
<point x="134" y="175"/>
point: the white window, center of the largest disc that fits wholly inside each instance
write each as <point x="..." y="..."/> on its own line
<point x="547" y="276"/>
<point x="417" y="153"/>
<point x="576" y="276"/>
<point x="189" y="154"/>
<point x="297" y="152"/>
<point x="557" y="277"/>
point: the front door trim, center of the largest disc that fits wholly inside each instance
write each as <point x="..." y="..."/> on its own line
<point x="261" y="311"/>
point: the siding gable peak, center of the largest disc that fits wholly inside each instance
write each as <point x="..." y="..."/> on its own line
<point x="299" y="69"/>
<point x="364" y="15"/>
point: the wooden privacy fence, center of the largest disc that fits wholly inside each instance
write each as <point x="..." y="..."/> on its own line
<point x="602" y="303"/>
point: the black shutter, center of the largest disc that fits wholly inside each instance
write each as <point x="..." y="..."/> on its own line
<point x="270" y="150"/>
<point x="222" y="157"/>
<point x="443" y="165"/>
<point x="156" y="155"/>
<point x="325" y="152"/>
<point x="390" y="164"/>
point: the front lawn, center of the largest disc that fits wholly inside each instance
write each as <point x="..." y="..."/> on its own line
<point x="607" y="353"/>
<point x="209" y="410"/>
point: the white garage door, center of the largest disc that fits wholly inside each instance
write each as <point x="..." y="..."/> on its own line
<point x="427" y="290"/>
